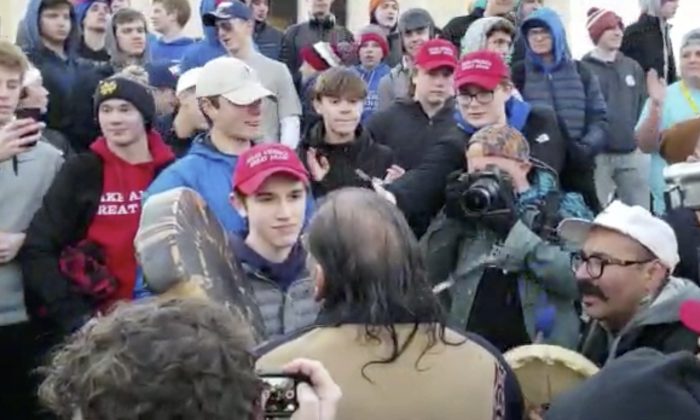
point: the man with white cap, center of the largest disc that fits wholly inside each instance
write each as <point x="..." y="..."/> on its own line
<point x="189" y="121"/>
<point x="230" y="97"/>
<point x="623" y="273"/>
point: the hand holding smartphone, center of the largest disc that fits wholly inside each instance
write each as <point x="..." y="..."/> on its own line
<point x="280" y="394"/>
<point x="34" y="114"/>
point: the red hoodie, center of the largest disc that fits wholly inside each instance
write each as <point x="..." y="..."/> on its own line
<point x="116" y="222"/>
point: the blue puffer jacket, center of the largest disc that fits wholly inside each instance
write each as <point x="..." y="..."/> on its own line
<point x="560" y="85"/>
<point x="459" y="251"/>
<point x="372" y="78"/>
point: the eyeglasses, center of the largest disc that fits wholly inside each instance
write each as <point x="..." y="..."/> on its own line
<point x="483" y="97"/>
<point x="595" y="265"/>
<point x="224" y="25"/>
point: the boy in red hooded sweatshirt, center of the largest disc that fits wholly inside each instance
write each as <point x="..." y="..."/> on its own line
<point x="79" y="255"/>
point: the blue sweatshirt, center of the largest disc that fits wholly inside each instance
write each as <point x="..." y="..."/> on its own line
<point x="170" y="52"/>
<point x="372" y="78"/>
<point x="201" y="52"/>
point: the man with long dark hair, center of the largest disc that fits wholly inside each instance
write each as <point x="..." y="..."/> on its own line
<point x="381" y="331"/>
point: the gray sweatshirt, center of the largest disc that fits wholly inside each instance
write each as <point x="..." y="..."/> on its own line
<point x="21" y="194"/>
<point x="623" y="84"/>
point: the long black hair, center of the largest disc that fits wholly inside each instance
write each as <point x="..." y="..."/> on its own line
<point x="374" y="270"/>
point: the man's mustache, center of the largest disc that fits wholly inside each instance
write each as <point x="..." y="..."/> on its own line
<point x="587" y="288"/>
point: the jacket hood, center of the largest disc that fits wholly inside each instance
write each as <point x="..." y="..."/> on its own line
<point x="284" y="273"/>
<point x="202" y="146"/>
<point x="475" y="37"/>
<point x="548" y="18"/>
<point x="517" y="112"/>
<point x="316" y="138"/>
<point x="160" y="152"/>
<point x="119" y="59"/>
<point x="31" y="21"/>
<point x="665" y="309"/>
<point x="210" y="35"/>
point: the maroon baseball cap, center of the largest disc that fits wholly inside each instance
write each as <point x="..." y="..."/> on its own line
<point x="485" y="69"/>
<point x="436" y="53"/>
<point x="690" y="315"/>
<point x="260" y="162"/>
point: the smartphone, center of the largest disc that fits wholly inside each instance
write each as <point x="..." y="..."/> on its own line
<point x="33" y="113"/>
<point x="280" y="394"/>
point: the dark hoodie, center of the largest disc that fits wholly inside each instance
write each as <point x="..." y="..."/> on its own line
<point x="268" y="40"/>
<point x="207" y="49"/>
<point x="362" y="153"/>
<point x="59" y="74"/>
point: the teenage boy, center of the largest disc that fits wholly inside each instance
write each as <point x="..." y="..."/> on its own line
<point x="281" y="118"/>
<point x="92" y="17"/>
<point x="416" y="27"/>
<point x="648" y="40"/>
<point x="622" y="168"/>
<point x="267" y="38"/>
<point x="78" y="258"/>
<point x="53" y="40"/>
<point x="270" y="189"/>
<point x="550" y="77"/>
<point x="456" y="28"/>
<point x="321" y="26"/>
<point x="410" y="126"/>
<point x="337" y="147"/>
<point x="230" y="96"/>
<point x="189" y="121"/>
<point x="27" y="168"/>
<point x="372" y="50"/>
<point x="491" y="34"/>
<point x="385" y="15"/>
<point x="169" y="18"/>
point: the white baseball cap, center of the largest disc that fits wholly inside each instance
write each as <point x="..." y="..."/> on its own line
<point x="633" y="221"/>
<point x="187" y="80"/>
<point x="233" y="79"/>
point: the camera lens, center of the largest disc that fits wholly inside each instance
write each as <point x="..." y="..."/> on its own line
<point x="477" y="199"/>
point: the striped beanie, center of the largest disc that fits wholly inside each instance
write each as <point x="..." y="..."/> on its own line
<point x="601" y="20"/>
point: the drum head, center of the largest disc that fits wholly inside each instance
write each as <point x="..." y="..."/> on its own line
<point x="184" y="252"/>
<point x="545" y="372"/>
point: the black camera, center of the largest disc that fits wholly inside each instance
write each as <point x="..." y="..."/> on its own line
<point x="485" y="192"/>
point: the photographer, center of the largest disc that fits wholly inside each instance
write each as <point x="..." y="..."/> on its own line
<point x="495" y="248"/>
<point x="485" y="89"/>
<point x="148" y="369"/>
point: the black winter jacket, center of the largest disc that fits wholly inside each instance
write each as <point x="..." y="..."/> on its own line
<point x="305" y="35"/>
<point x="458" y="26"/>
<point x="64" y="218"/>
<point x="420" y="193"/>
<point x="406" y="129"/>
<point x="362" y="153"/>
<point x="687" y="228"/>
<point x="84" y="128"/>
<point x="644" y="43"/>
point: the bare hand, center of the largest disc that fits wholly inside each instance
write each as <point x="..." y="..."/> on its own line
<point x="656" y="87"/>
<point x="318" y="165"/>
<point x="319" y="399"/>
<point x="10" y="243"/>
<point x="394" y="173"/>
<point x="378" y="186"/>
<point x="16" y="136"/>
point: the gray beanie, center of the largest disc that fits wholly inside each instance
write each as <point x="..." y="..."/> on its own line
<point x="413" y="19"/>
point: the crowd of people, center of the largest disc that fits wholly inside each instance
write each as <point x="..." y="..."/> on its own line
<point x="407" y="204"/>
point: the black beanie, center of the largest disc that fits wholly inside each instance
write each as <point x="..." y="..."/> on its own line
<point x="641" y="385"/>
<point x="130" y="91"/>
